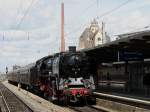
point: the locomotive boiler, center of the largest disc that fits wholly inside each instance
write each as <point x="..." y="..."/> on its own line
<point x="63" y="77"/>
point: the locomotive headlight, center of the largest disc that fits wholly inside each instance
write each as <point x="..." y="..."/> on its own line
<point x="85" y="91"/>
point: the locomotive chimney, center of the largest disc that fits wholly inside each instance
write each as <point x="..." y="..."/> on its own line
<point x="72" y="48"/>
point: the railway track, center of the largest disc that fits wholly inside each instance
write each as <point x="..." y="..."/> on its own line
<point x="11" y="103"/>
<point x="87" y="109"/>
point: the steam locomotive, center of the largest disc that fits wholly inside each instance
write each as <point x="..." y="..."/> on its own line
<point x="63" y="77"/>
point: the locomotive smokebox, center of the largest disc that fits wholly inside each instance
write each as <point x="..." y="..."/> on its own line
<point x="72" y="48"/>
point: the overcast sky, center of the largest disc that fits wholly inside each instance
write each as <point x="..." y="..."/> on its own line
<point x="30" y="29"/>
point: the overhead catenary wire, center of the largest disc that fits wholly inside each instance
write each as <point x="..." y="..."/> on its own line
<point x="114" y="9"/>
<point x="90" y="6"/>
<point x="19" y="9"/>
<point x="140" y="28"/>
<point x="102" y="15"/>
<point x="83" y="12"/>
<point x="137" y="29"/>
<point x="25" y="14"/>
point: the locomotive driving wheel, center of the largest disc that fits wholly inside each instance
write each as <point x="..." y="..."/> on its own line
<point x="63" y="100"/>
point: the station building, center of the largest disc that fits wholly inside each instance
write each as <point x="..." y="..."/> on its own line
<point x="123" y="65"/>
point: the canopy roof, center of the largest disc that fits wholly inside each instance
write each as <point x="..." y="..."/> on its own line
<point x="133" y="42"/>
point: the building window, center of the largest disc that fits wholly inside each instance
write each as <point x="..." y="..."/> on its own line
<point x="88" y="39"/>
<point x="99" y="39"/>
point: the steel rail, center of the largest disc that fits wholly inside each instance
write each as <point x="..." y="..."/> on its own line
<point x="86" y="109"/>
<point x="3" y="98"/>
<point x="7" y="104"/>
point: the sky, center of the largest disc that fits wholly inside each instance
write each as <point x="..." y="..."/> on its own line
<point x="30" y="29"/>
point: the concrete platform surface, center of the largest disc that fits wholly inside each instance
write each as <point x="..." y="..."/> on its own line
<point x="127" y="98"/>
<point x="120" y="107"/>
<point x="35" y="102"/>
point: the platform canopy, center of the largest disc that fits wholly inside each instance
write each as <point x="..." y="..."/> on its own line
<point x="137" y="42"/>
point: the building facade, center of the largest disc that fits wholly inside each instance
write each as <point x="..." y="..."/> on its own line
<point x="93" y="36"/>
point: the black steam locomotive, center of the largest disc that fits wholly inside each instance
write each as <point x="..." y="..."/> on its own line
<point x="63" y="77"/>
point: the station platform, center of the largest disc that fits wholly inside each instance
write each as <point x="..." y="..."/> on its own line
<point x="128" y="97"/>
<point x="125" y="103"/>
<point x="36" y="103"/>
